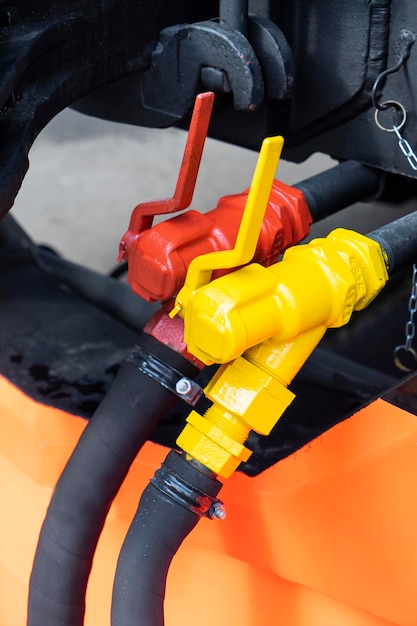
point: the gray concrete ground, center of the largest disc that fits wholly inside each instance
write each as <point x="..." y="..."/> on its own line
<point x="86" y="175"/>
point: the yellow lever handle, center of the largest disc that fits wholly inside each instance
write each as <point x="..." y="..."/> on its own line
<point x="201" y="268"/>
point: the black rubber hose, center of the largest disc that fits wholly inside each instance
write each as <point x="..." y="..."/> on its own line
<point x="95" y="471"/>
<point x="107" y="293"/>
<point x="167" y="512"/>
<point x="399" y="241"/>
<point x="339" y="187"/>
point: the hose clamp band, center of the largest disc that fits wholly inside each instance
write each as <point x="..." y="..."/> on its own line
<point x="166" y="375"/>
<point x="189" y="496"/>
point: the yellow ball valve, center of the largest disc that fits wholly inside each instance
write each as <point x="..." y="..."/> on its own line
<point x="275" y="317"/>
<point x="317" y="284"/>
<point x="263" y="323"/>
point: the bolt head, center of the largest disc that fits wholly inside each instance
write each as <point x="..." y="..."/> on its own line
<point x="184" y="387"/>
<point x="217" y="511"/>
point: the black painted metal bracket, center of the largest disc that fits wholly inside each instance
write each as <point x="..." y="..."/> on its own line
<point x="192" y="57"/>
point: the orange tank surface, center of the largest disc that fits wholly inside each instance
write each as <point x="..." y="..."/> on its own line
<point x="326" y="537"/>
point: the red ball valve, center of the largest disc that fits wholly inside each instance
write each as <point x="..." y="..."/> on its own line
<point x="159" y="257"/>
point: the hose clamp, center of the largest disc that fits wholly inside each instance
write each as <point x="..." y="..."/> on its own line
<point x="166" y="375"/>
<point x="175" y="487"/>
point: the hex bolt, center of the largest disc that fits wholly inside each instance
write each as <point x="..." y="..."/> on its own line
<point x="217" y="511"/>
<point x="184" y="387"/>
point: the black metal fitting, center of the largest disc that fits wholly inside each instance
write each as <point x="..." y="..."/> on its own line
<point x="170" y="85"/>
<point x="217" y="56"/>
<point x="274" y="55"/>
<point x="215" y="80"/>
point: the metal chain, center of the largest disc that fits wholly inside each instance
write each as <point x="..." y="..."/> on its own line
<point x="406" y="149"/>
<point x="403" y="144"/>
<point x="410" y="330"/>
<point x="410" y="327"/>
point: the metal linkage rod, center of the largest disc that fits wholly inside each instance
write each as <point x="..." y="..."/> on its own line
<point x="234" y="13"/>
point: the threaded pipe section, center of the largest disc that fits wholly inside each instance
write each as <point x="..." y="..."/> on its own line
<point x="229" y="423"/>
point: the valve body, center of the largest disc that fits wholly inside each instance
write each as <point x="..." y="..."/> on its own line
<point x="262" y="324"/>
<point x="159" y="257"/>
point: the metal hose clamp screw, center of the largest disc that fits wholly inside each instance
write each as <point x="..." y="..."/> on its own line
<point x="217" y="511"/>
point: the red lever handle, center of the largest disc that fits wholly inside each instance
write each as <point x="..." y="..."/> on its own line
<point x="143" y="214"/>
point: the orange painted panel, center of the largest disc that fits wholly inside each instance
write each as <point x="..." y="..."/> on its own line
<point x="325" y="537"/>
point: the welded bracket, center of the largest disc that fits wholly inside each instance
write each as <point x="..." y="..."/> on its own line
<point x="189" y="55"/>
<point x="170" y="85"/>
